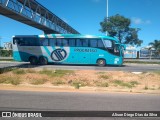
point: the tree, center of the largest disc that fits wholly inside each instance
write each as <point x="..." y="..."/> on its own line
<point x="156" y="45"/>
<point x="119" y="26"/>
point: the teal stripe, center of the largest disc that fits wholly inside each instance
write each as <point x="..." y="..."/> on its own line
<point x="45" y="47"/>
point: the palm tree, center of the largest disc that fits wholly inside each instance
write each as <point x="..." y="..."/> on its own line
<point x="156" y="45"/>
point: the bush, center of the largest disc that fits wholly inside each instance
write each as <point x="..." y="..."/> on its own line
<point x="104" y="77"/>
<point x="102" y="84"/>
<point x="19" y="71"/>
<point x="56" y="73"/>
<point x="123" y="84"/>
<point x="10" y="80"/>
<point x="38" y="81"/>
<point x="58" y="82"/>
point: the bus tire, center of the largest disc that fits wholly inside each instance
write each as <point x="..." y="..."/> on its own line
<point x="33" y="60"/>
<point x="43" y="61"/>
<point x="101" y="62"/>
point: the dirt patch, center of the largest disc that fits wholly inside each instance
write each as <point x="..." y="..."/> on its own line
<point x="81" y="80"/>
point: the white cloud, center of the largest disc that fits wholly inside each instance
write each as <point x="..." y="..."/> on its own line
<point x="139" y="21"/>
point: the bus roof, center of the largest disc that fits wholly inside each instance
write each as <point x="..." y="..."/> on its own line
<point x="69" y="36"/>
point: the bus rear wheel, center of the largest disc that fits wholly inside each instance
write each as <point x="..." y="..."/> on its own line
<point x="43" y="61"/>
<point x="101" y="62"/>
<point x="33" y="60"/>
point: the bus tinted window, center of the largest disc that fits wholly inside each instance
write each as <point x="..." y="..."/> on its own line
<point x="72" y="42"/>
<point x="52" y="42"/>
<point x="59" y="42"/>
<point x="64" y="42"/>
<point x="79" y="42"/>
<point x="44" y="42"/>
<point x="26" y="41"/>
<point x="85" y="42"/>
<point x="93" y="43"/>
<point x="100" y="44"/>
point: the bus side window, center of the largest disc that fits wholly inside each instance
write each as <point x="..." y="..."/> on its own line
<point x="52" y="42"/>
<point x="100" y="44"/>
<point x="79" y="42"/>
<point x="65" y="42"/>
<point x="93" y="43"/>
<point x="59" y="42"/>
<point x="72" y="42"/>
<point x="85" y="43"/>
<point x="44" y="42"/>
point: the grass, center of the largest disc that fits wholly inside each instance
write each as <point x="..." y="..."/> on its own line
<point x="102" y="84"/>
<point x="126" y="84"/>
<point x="58" y="82"/>
<point x="31" y="71"/>
<point x="19" y="71"/>
<point x="56" y="73"/>
<point x="134" y="83"/>
<point x="38" y="81"/>
<point x="3" y="70"/>
<point x="100" y="73"/>
<point x="78" y="83"/>
<point x="10" y="80"/>
<point x="146" y="87"/>
<point x="156" y="72"/>
<point x="104" y="76"/>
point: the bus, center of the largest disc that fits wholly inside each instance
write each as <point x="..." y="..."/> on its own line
<point x="68" y="49"/>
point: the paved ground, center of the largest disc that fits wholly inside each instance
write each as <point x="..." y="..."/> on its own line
<point x="125" y="67"/>
<point x="64" y="101"/>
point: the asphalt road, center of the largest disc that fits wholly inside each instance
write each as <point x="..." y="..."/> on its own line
<point x="63" y="101"/>
<point x="125" y="67"/>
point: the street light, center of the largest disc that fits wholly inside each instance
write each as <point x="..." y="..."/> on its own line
<point x="107" y="15"/>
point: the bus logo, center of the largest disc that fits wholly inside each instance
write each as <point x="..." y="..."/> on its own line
<point x="58" y="55"/>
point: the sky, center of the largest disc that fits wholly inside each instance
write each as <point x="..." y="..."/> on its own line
<point x="85" y="16"/>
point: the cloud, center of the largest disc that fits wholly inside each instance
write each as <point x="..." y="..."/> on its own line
<point x="139" y="21"/>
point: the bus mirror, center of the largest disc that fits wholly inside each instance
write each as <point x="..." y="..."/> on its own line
<point x="123" y="46"/>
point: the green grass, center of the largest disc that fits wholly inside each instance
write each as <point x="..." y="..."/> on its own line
<point x="7" y="60"/>
<point x="100" y="72"/>
<point x="19" y="71"/>
<point x="134" y="83"/>
<point x="38" y="81"/>
<point x="126" y="84"/>
<point x="10" y="80"/>
<point x="102" y="84"/>
<point x="104" y="76"/>
<point x="58" y="82"/>
<point x="78" y="84"/>
<point x="156" y="72"/>
<point x="56" y="73"/>
<point x="3" y="70"/>
<point x="31" y="71"/>
<point x="146" y="88"/>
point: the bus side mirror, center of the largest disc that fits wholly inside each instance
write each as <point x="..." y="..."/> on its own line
<point x="123" y="46"/>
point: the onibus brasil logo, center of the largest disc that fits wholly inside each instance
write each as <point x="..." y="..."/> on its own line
<point x="58" y="55"/>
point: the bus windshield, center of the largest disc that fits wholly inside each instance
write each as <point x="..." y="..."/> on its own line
<point x="112" y="47"/>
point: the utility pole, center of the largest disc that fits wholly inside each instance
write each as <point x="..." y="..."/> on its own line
<point x="107" y="9"/>
<point x="107" y="15"/>
<point x="0" y="45"/>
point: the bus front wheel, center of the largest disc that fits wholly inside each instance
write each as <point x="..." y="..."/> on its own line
<point x="101" y="62"/>
<point x="43" y="61"/>
<point x="33" y="60"/>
